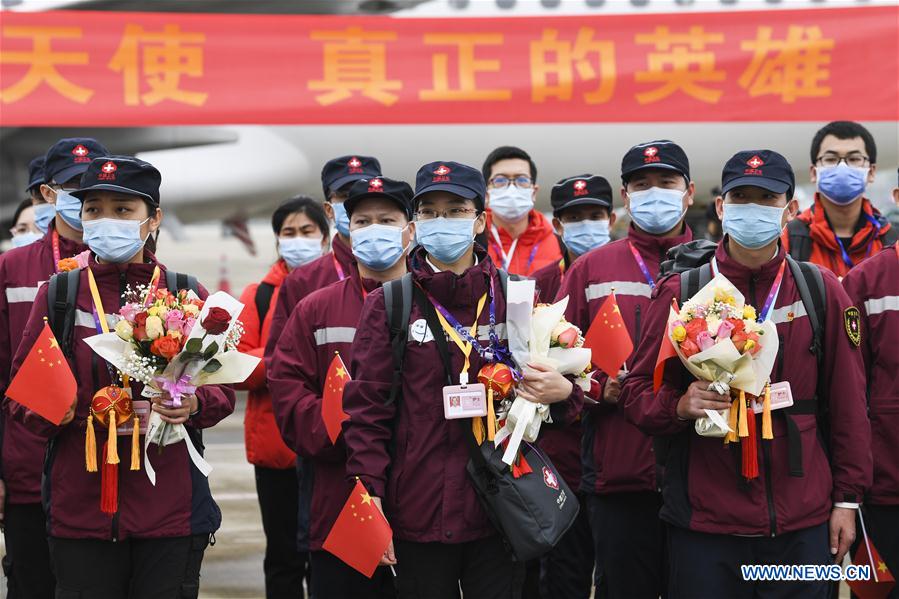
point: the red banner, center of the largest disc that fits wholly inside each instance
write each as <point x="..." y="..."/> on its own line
<point x="122" y="69"/>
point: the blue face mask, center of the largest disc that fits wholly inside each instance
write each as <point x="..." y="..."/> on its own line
<point x="113" y="239"/>
<point x="583" y="236"/>
<point x="753" y="226"/>
<point x="69" y="208"/>
<point x="298" y="251"/>
<point x="23" y="239"/>
<point x="43" y="214"/>
<point x="841" y="184"/>
<point x="446" y="239"/>
<point x="341" y="219"/>
<point x="656" y="210"/>
<point x="378" y="246"/>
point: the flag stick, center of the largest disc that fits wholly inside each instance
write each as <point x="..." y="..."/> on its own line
<point x="867" y="544"/>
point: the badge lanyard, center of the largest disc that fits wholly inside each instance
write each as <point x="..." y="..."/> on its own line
<point x="154" y="286"/>
<point x="845" y="255"/>
<point x="771" y="299"/>
<point x="642" y="264"/>
<point x="100" y="317"/>
<point x="340" y="274"/>
<point x="507" y="258"/>
<point x="56" y="257"/>
<point x="456" y="331"/>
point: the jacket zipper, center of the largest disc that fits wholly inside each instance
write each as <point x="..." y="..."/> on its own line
<point x="637" y="321"/>
<point x="766" y="451"/>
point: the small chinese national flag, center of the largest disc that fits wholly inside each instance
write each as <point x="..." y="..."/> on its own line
<point x="360" y="535"/>
<point x="871" y="588"/>
<point x="666" y="350"/>
<point x="332" y="397"/>
<point x="44" y="383"/>
<point x="608" y="339"/>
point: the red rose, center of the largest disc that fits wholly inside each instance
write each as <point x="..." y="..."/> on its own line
<point x="167" y="347"/>
<point x="688" y="348"/>
<point x="140" y="333"/>
<point x="140" y="319"/>
<point x="696" y="326"/>
<point x="216" y="321"/>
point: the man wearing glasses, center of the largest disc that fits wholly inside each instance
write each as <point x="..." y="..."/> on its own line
<point x="519" y="238"/>
<point x="22" y="271"/>
<point x="842" y="228"/>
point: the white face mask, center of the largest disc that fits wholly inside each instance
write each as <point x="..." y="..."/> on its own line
<point x="511" y="203"/>
<point x="298" y="251"/>
<point x="113" y="239"/>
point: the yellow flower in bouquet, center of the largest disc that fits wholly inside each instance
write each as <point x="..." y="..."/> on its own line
<point x="749" y="313"/>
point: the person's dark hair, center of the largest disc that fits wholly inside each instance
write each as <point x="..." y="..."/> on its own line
<point x="19" y="209"/>
<point x="305" y="205"/>
<point x="844" y="130"/>
<point x="505" y="153"/>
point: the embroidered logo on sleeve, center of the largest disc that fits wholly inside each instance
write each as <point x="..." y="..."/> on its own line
<point x="852" y="320"/>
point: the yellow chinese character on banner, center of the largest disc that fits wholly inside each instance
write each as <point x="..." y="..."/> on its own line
<point x="163" y="57"/>
<point x="681" y="62"/>
<point x="594" y="60"/>
<point x="42" y="61"/>
<point x="791" y="68"/>
<point x="467" y="67"/>
<point x="355" y="61"/>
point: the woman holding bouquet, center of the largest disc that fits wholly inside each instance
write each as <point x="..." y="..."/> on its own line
<point x="302" y="231"/>
<point x="407" y="453"/>
<point x="799" y="506"/>
<point x="149" y="541"/>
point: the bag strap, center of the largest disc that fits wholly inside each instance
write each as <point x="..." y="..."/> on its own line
<point x="264" y="293"/>
<point x="178" y="280"/>
<point x="799" y="238"/>
<point x="398" y="305"/>
<point x="61" y="297"/>
<point x="890" y="237"/>
<point x="691" y="281"/>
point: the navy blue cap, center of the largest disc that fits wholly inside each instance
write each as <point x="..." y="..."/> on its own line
<point x="380" y="187"/>
<point x="661" y="153"/>
<point x="124" y="174"/>
<point x="70" y="157"/>
<point x="35" y="173"/>
<point x="454" y="177"/>
<point x="580" y="191"/>
<point x="758" y="168"/>
<point x="337" y="172"/>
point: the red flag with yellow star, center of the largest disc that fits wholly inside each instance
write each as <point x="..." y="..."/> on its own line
<point x="44" y="383"/>
<point x="332" y="397"/>
<point x="881" y="582"/>
<point x="609" y="342"/>
<point x="361" y="534"/>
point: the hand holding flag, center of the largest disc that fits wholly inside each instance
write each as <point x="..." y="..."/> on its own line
<point x="332" y="397"/>
<point x="608" y="338"/>
<point x="44" y="382"/>
<point x="882" y="581"/>
<point x="361" y="534"/>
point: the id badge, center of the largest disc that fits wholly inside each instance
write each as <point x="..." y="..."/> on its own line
<point x="464" y="401"/>
<point x="781" y="397"/>
<point x="141" y="408"/>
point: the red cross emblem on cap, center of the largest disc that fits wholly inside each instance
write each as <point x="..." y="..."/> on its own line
<point x="580" y="184"/>
<point x="651" y="151"/>
<point x="375" y="185"/>
<point x="354" y="162"/>
<point x="755" y="162"/>
<point x="80" y="150"/>
<point x="442" y="170"/>
<point x="109" y="167"/>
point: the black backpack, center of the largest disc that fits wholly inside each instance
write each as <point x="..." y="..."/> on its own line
<point x="264" y="293"/>
<point x="692" y="261"/>
<point x="800" y="239"/>
<point x="62" y="293"/>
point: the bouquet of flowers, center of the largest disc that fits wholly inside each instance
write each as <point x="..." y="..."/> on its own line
<point x="174" y="342"/>
<point x="551" y="341"/>
<point x="718" y="339"/>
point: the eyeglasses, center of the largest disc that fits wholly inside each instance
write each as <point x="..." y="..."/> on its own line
<point x="502" y="182"/>
<point x="430" y="213"/>
<point x="854" y="159"/>
<point x="58" y="187"/>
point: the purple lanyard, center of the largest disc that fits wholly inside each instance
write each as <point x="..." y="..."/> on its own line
<point x="846" y="259"/>
<point x="639" y="259"/>
<point x="772" y="293"/>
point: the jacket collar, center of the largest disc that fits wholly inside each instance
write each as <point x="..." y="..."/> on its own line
<point x="741" y="275"/>
<point x="539" y="228"/>
<point x="277" y="273"/>
<point x="822" y="233"/>
<point x="447" y="287"/>
<point x="344" y="254"/>
<point x="67" y="247"/>
<point x="654" y="247"/>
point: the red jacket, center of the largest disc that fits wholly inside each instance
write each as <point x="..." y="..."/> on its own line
<point x="703" y="490"/>
<point x="321" y="272"/>
<point x="180" y="504"/>
<point x="536" y="247"/>
<point x="263" y="442"/>
<point x="867" y="241"/>
<point x="617" y="456"/>
<point x="321" y="325"/>
<point x="874" y="288"/>
<point x="22" y="271"/>
<point x="428" y="496"/>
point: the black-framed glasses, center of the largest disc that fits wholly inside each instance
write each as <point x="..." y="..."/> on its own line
<point x="854" y="159"/>
<point x="430" y="213"/>
<point x="502" y="182"/>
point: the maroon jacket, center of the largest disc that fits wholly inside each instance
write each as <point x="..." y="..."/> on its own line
<point x="321" y="325"/>
<point x="428" y="496"/>
<point x="617" y="457"/>
<point x="549" y="279"/>
<point x="22" y="271"/>
<point x="180" y="504"/>
<point x="319" y="273"/>
<point x="703" y="490"/>
<point x="873" y="286"/>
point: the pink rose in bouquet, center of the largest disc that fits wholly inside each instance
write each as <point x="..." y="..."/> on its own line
<point x="704" y="340"/>
<point x="725" y="329"/>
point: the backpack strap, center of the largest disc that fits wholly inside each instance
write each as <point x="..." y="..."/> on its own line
<point x="799" y="239"/>
<point x="890" y="237"/>
<point x="178" y="280"/>
<point x="62" y="294"/>
<point x="691" y="281"/>
<point x="398" y="305"/>
<point x="264" y="293"/>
